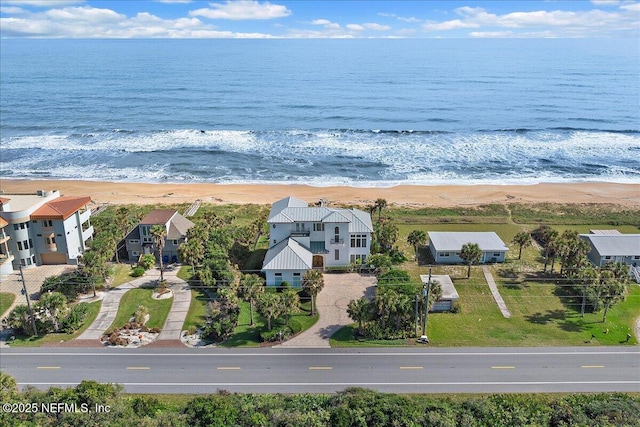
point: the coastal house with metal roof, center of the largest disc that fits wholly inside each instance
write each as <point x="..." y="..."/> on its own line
<point x="613" y="247"/>
<point x="445" y="246"/>
<point x="44" y="228"/>
<point x="139" y="241"/>
<point x="302" y="237"/>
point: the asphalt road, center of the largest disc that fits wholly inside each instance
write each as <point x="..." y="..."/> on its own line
<point x="420" y="370"/>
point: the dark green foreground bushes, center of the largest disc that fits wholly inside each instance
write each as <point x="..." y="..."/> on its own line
<point x="352" y="407"/>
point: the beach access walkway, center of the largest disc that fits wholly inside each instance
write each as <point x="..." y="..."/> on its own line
<point x="494" y="291"/>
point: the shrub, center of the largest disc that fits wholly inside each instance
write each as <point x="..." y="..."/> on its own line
<point x="155" y="330"/>
<point x="75" y="318"/>
<point x="140" y="315"/>
<point x="456" y="307"/>
<point x="70" y="285"/>
<point x="192" y="330"/>
<point x="147" y="261"/>
<point x="275" y="335"/>
<point x="137" y="271"/>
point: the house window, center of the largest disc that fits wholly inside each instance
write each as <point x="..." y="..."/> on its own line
<point x="50" y="240"/>
<point x="318" y="226"/>
<point x="19" y="246"/>
<point x="636" y="257"/>
<point x="25" y="243"/>
<point x="274" y="226"/>
<point x="297" y="280"/>
<point x="607" y="257"/>
<point x="47" y="223"/>
<point x="359" y="241"/>
<point x="134" y="241"/>
<point x="23" y="262"/>
<point x="28" y="261"/>
<point x="16" y="227"/>
<point x="496" y="254"/>
<point x="278" y="279"/>
<point x="33" y="258"/>
<point x="134" y="253"/>
<point x="30" y="243"/>
<point x="175" y="243"/>
<point x="358" y="259"/>
<point x="336" y="254"/>
<point x="444" y="254"/>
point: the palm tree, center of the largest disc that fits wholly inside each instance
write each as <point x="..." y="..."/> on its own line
<point x="380" y="204"/>
<point x="588" y="277"/>
<point x="522" y="239"/>
<point x="312" y="283"/>
<point x="359" y="311"/>
<point x="290" y="303"/>
<point x="251" y="287"/>
<point x="417" y="238"/>
<point x="550" y="237"/>
<point x="191" y="252"/>
<point x="470" y="254"/>
<point x="54" y="305"/>
<point x="270" y="306"/>
<point x="386" y="301"/>
<point x="159" y="232"/>
<point x="122" y="222"/>
<point x="20" y="319"/>
<point x="614" y="291"/>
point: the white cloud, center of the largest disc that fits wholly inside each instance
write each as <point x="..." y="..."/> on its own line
<point x="605" y="2"/>
<point x="400" y="18"/>
<point x="241" y="10"/>
<point x="563" y="23"/>
<point x="376" y="27"/>
<point x="326" y="23"/>
<point x="12" y="10"/>
<point x="355" y="27"/>
<point x="173" y="1"/>
<point x="44" y="3"/>
<point x="491" y="34"/>
<point x="635" y="7"/>
<point x="89" y="22"/>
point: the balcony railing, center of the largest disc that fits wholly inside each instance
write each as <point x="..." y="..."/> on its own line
<point x="300" y="233"/>
<point x="337" y="241"/>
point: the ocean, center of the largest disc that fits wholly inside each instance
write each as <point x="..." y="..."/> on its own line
<point x="373" y="112"/>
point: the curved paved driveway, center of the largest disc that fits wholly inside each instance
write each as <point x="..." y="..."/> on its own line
<point x="332" y="304"/>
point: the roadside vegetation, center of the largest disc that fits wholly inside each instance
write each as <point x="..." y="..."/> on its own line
<point x="133" y="299"/>
<point x="351" y="407"/>
<point x="6" y="299"/>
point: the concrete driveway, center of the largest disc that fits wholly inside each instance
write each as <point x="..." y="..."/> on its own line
<point x="332" y="303"/>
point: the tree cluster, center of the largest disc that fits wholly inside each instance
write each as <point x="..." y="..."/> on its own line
<point x="51" y="314"/>
<point x="392" y="312"/>
<point x="351" y="407"/>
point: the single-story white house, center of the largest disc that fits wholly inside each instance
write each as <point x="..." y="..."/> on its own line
<point x="613" y="246"/>
<point x="449" y="293"/>
<point x="445" y="246"/>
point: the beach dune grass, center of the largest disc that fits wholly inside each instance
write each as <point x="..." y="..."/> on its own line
<point x="6" y="299"/>
<point x="158" y="309"/>
<point x="92" y="313"/>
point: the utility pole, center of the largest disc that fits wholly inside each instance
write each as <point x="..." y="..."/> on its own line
<point x="417" y="298"/>
<point x="425" y="293"/>
<point x="26" y="294"/>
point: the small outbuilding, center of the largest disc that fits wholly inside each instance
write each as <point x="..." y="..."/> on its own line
<point x="449" y="293"/>
<point x="445" y="246"/>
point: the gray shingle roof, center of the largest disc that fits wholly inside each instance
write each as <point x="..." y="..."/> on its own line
<point x="178" y="227"/>
<point x="453" y="240"/>
<point x="288" y="255"/>
<point x="614" y="245"/>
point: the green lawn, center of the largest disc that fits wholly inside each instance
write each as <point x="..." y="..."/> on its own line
<point x="121" y="274"/>
<point x="246" y="335"/>
<point x="94" y="309"/>
<point x="6" y="299"/>
<point x="158" y="309"/>
<point x="196" y="315"/>
<point x="541" y="315"/>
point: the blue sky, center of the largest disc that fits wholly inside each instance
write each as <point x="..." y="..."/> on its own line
<point x="318" y="19"/>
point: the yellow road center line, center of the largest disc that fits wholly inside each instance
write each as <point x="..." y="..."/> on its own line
<point x="592" y="366"/>
<point x="411" y="367"/>
<point x="503" y="367"/>
<point x="138" y="368"/>
<point x="320" y="368"/>
<point x="48" y="367"/>
<point x="228" y="368"/>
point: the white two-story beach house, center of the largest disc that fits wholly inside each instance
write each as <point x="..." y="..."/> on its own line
<point x="302" y="237"/>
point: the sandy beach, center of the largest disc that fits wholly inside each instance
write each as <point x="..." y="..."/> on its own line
<point x="402" y="195"/>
